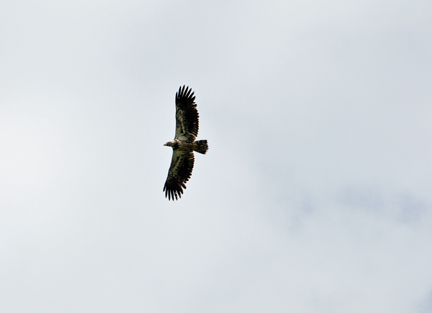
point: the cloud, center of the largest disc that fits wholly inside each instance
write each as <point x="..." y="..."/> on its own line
<point x="315" y="193"/>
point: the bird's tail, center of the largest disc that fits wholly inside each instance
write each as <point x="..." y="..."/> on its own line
<point x="200" y="146"/>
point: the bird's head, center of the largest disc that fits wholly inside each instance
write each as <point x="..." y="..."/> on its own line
<point x="169" y="144"/>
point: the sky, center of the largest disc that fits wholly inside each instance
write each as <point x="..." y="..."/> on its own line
<point x="315" y="194"/>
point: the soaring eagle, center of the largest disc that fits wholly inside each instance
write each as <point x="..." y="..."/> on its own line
<point x="184" y="144"/>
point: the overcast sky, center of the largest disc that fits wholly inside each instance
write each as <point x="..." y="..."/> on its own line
<point x="315" y="195"/>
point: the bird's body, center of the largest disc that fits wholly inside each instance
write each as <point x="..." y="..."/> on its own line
<point x="184" y="144"/>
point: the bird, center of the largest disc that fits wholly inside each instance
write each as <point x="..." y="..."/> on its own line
<point x="184" y="144"/>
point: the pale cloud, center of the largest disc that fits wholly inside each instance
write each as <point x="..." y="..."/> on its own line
<point x="315" y="193"/>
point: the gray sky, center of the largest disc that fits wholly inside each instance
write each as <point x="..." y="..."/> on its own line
<point x="315" y="195"/>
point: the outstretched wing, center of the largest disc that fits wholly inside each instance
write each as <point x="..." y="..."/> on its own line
<point x="186" y="115"/>
<point x="179" y="173"/>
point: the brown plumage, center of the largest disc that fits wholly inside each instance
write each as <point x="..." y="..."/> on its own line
<point x="184" y="144"/>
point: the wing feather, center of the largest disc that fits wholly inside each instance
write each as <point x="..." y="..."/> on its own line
<point x="186" y="115"/>
<point x="179" y="173"/>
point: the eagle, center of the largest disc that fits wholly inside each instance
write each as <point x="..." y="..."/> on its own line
<point x="184" y="144"/>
